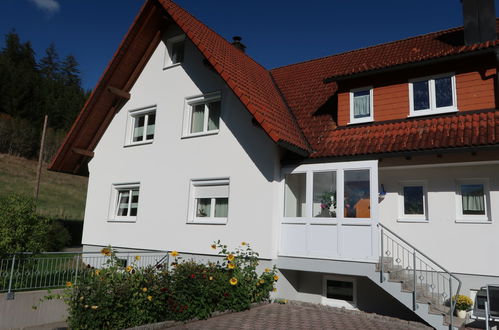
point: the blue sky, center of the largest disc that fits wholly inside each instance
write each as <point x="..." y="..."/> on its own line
<point x="276" y="32"/>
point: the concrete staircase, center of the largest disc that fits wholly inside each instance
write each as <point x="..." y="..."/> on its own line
<point x="425" y="301"/>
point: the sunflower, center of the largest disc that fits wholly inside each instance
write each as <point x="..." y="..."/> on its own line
<point x="149" y="298"/>
<point x="276" y="277"/>
<point x="137" y="258"/>
<point x="262" y="281"/>
<point x="213" y="246"/>
<point x="129" y="268"/>
<point x="267" y="270"/>
<point x="144" y="289"/>
<point x="174" y="253"/>
<point x="106" y="251"/>
<point x="69" y="284"/>
<point x="230" y="257"/>
<point x="233" y="281"/>
<point x="230" y="265"/>
<point x="94" y="307"/>
<point x="243" y="243"/>
<point x="97" y="272"/>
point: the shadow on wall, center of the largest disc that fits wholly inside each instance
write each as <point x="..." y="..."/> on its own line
<point x="256" y="143"/>
<point x="370" y="297"/>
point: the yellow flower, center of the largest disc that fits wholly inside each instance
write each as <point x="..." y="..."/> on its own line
<point x="81" y="298"/>
<point x="69" y="284"/>
<point x="276" y="277"/>
<point x="231" y="265"/>
<point x="262" y="281"/>
<point x="174" y="253"/>
<point x="94" y="307"/>
<point x="129" y="268"/>
<point x="137" y="258"/>
<point x="149" y="298"/>
<point x="97" y="272"/>
<point x="267" y="270"/>
<point x="230" y="257"/>
<point x="144" y="289"/>
<point x="106" y="251"/>
<point x="243" y="243"/>
<point x="257" y="284"/>
<point x="211" y="278"/>
<point x="86" y="306"/>
<point x="233" y="281"/>
<point x="213" y="246"/>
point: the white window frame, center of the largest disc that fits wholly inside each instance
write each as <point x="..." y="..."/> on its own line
<point x="168" y="63"/>
<point x="413" y="217"/>
<point x="192" y="218"/>
<point x="472" y="218"/>
<point x="354" y="120"/>
<point x="132" y="117"/>
<point x="114" y="202"/>
<point x="190" y="103"/>
<point x="339" y="302"/>
<point x="433" y="110"/>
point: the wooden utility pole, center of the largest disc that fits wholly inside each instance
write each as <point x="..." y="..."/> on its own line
<point x="40" y="158"/>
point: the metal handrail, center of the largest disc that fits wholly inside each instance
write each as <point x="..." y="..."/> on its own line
<point x="443" y="269"/>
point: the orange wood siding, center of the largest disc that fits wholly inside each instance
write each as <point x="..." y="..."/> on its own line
<point x="475" y="91"/>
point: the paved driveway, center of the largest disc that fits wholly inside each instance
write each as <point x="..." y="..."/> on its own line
<point x="306" y="316"/>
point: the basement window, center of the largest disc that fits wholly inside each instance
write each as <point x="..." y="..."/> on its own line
<point x="432" y="95"/>
<point x="339" y="291"/>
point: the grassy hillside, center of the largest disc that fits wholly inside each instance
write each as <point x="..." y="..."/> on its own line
<point x="61" y="195"/>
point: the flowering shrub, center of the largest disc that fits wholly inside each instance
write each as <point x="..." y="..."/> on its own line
<point x="462" y="302"/>
<point x="117" y="297"/>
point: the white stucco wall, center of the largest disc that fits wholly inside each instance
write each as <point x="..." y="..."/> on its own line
<point x="240" y="151"/>
<point x="469" y="248"/>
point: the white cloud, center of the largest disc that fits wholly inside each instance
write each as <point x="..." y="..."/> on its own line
<point x="49" y="6"/>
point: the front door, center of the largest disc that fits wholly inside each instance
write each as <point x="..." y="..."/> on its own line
<point x="330" y="210"/>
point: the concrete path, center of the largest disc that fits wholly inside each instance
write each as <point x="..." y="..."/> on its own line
<point x="301" y="316"/>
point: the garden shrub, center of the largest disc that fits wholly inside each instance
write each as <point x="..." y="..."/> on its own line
<point x="117" y="297"/>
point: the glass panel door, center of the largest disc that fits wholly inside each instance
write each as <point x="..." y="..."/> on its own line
<point x="357" y="194"/>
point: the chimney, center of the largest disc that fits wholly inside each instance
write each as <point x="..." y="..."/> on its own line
<point x="236" y="42"/>
<point x="479" y="21"/>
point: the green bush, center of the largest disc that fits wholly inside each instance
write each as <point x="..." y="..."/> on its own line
<point x="21" y="229"/>
<point x="58" y="236"/>
<point x="116" y="297"/>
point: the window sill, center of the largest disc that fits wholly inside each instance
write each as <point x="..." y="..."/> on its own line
<point x="474" y="221"/>
<point x="131" y="220"/>
<point x="361" y="121"/>
<point x="413" y="220"/>
<point x="169" y="66"/>
<point x="222" y="221"/>
<point x="420" y="113"/>
<point x="133" y="144"/>
<point x="193" y="135"/>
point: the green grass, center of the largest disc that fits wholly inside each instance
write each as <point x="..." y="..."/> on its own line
<point x="61" y="195"/>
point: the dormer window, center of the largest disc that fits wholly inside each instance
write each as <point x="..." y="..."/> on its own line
<point x="361" y="105"/>
<point x="175" y="49"/>
<point x="432" y="95"/>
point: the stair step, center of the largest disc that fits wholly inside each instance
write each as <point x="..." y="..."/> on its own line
<point x="456" y="321"/>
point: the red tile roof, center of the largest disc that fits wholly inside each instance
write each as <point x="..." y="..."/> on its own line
<point x="467" y="129"/>
<point x="251" y="82"/>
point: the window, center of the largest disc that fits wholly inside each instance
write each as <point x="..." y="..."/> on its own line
<point x="472" y="200"/>
<point x="175" y="51"/>
<point x="361" y="105"/>
<point x="295" y="195"/>
<point x="432" y="95"/>
<point x="339" y="291"/>
<point x="324" y="191"/>
<point x="209" y="201"/>
<point x="126" y="202"/>
<point x="412" y="201"/>
<point x="142" y="124"/>
<point x="202" y="115"/>
<point x="357" y="194"/>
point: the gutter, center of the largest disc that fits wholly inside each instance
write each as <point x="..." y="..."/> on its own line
<point x="437" y="60"/>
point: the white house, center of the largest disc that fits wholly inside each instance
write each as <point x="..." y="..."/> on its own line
<point x="324" y="166"/>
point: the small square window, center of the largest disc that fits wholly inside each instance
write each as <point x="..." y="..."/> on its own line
<point x="472" y="198"/>
<point x="125" y="202"/>
<point x="142" y="124"/>
<point x="413" y="200"/>
<point x="432" y="95"/>
<point x="202" y="115"/>
<point x="361" y="105"/>
<point x="175" y="51"/>
<point x="209" y="201"/>
<point x="339" y="291"/>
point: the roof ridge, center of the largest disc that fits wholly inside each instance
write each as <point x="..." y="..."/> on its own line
<point x="456" y="28"/>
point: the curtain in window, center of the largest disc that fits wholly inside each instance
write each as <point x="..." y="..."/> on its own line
<point x="361" y="106"/>
<point x="197" y="118"/>
<point x="473" y="199"/>
<point x="214" y="116"/>
<point x="221" y="207"/>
